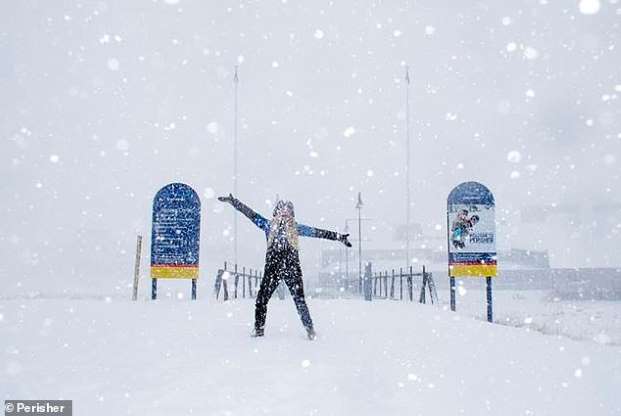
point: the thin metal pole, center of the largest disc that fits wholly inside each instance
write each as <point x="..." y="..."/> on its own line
<point x="407" y="166"/>
<point x="347" y="282"/>
<point x="360" y="248"/>
<point x="235" y="84"/>
<point x="488" y="281"/>
<point x="137" y="267"/>
<point x="448" y="252"/>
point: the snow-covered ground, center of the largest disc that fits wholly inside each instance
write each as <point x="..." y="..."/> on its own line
<point x="590" y="320"/>
<point x="177" y="357"/>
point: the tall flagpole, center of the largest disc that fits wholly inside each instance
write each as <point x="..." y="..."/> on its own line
<point x="407" y="166"/>
<point x="359" y="208"/>
<point x="235" y="84"/>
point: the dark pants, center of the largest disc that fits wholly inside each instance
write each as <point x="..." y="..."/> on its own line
<point x="282" y="264"/>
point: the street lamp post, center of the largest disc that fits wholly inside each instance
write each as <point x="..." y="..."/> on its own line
<point x="359" y="208"/>
<point x="347" y="220"/>
<point x="346" y="231"/>
<point x="235" y="84"/>
<point x="407" y="167"/>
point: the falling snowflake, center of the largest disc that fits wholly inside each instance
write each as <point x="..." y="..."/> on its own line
<point x="213" y="127"/>
<point x="122" y="145"/>
<point x="531" y="53"/>
<point x="589" y="6"/>
<point x="514" y="156"/>
<point x="113" y="64"/>
<point x="209" y="193"/>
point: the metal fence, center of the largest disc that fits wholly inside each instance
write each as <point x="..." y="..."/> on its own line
<point x="228" y="280"/>
<point x="385" y="284"/>
<point x="239" y="283"/>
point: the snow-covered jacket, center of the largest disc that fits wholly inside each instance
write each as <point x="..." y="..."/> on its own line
<point x="266" y="225"/>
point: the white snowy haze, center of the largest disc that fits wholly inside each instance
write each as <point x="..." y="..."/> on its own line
<point x="102" y="103"/>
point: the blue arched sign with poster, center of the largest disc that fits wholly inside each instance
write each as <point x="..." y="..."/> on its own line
<point x="471" y="240"/>
<point x="175" y="235"/>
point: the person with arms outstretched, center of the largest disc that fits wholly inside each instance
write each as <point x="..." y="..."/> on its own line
<point x="282" y="260"/>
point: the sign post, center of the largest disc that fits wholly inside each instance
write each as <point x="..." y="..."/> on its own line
<point x="471" y="237"/>
<point x="175" y="236"/>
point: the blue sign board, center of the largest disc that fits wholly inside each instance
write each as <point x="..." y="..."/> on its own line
<point x="471" y="193"/>
<point x="175" y="236"/>
<point x="471" y="231"/>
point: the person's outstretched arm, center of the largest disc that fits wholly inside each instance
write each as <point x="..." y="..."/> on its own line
<point x="308" y="231"/>
<point x="257" y="219"/>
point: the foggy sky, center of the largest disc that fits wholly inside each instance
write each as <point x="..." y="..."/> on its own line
<point x="103" y="103"/>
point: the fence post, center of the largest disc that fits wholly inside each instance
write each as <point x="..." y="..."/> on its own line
<point x="392" y="285"/>
<point x="250" y="284"/>
<point x="400" y="283"/>
<point x="376" y="282"/>
<point x="422" y="289"/>
<point x="368" y="276"/>
<point x="235" y="280"/>
<point x="433" y="294"/>
<point x="225" y="284"/>
<point x="244" y="282"/>
<point x="375" y="285"/>
<point x="411" y="285"/>
<point x="218" y="283"/>
<point x="386" y="284"/>
<point x="137" y="267"/>
<point x="382" y="282"/>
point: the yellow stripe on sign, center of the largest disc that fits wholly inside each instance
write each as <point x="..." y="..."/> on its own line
<point x="159" y="272"/>
<point x="473" y="270"/>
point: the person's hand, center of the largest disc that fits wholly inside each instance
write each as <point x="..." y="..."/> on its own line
<point x="343" y="239"/>
<point x="228" y="198"/>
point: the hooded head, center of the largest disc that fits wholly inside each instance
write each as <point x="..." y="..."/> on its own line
<point x="284" y="209"/>
<point x="282" y="226"/>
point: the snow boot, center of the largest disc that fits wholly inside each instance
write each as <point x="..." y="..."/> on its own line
<point x="310" y="332"/>
<point x="257" y="332"/>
